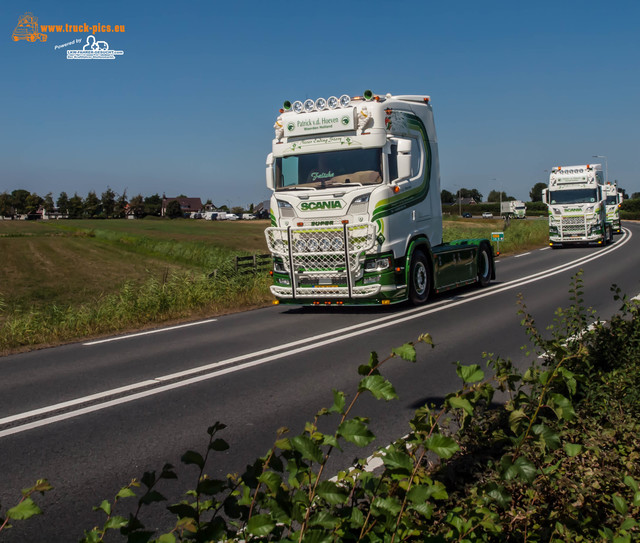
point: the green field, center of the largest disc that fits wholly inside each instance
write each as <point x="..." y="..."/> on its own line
<point x="65" y="280"/>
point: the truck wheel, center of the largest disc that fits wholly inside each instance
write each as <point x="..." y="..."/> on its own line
<point x="419" y="278"/>
<point x="484" y="266"/>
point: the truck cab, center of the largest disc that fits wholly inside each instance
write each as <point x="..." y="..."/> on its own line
<point x="613" y="203"/>
<point x="576" y="203"/>
<point x="355" y="213"/>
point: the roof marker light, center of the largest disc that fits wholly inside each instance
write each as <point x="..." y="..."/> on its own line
<point x="368" y="95"/>
<point x="309" y="105"/>
<point x="332" y="102"/>
<point x="345" y="99"/>
<point x="286" y="105"/>
<point x="297" y="106"/>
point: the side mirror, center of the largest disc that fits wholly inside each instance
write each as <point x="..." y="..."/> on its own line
<point x="271" y="181"/>
<point x="545" y="196"/>
<point x="404" y="159"/>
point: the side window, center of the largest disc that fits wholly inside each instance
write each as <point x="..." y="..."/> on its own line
<point x="393" y="162"/>
<point x="416" y="158"/>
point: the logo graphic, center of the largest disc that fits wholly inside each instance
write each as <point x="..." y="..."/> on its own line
<point x="27" y="29"/>
<point x="93" y="50"/>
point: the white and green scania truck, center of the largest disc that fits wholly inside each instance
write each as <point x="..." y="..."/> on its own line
<point x="614" y="201"/>
<point x="577" y="210"/>
<point x="356" y="217"/>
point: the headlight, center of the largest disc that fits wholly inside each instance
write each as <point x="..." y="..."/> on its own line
<point x="333" y="102"/>
<point x="312" y="245"/>
<point x="282" y="203"/>
<point x="325" y="244"/>
<point x="377" y="265"/>
<point x="297" y="106"/>
<point x="345" y="100"/>
<point x="300" y="245"/>
<point x="309" y="105"/>
<point x="362" y="198"/>
<point x="337" y="244"/>
<point x="321" y="104"/>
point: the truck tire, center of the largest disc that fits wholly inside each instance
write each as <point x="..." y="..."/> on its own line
<point x="419" y="278"/>
<point x="485" y="266"/>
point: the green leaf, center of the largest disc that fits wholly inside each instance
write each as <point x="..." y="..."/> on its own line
<point x="338" y="401"/>
<point x="105" y="506"/>
<point x="125" y="492"/>
<point x="572" y="449"/>
<point x="406" y="352"/>
<point x="307" y="448"/>
<point x="24" y="510"/>
<point x="470" y="374"/>
<point x="628" y="524"/>
<point x="167" y="538"/>
<point x="521" y="468"/>
<point x="324" y="519"/>
<point x="193" y="457"/>
<point x="115" y="523"/>
<point x="443" y="446"/>
<point x="271" y="480"/>
<point x="547" y="437"/>
<point x="631" y="483"/>
<point x="378" y="386"/>
<point x="562" y="407"/>
<point x="398" y="460"/>
<point x="356" y="432"/>
<point x="457" y="402"/>
<point x="260" y="525"/>
<point x="516" y="417"/>
<point x="498" y="494"/>
<point x="332" y="493"/>
<point x="317" y="536"/>
<point x="390" y="505"/>
<point x="620" y="504"/>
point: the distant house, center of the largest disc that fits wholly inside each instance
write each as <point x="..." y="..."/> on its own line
<point x="465" y="202"/>
<point x="55" y="213"/>
<point x="187" y="205"/>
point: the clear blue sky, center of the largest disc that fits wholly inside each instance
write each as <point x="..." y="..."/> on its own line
<point x="189" y="108"/>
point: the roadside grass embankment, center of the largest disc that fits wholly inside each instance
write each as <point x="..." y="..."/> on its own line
<point x="63" y="282"/>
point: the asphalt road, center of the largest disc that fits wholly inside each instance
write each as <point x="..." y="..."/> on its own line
<point x="92" y="416"/>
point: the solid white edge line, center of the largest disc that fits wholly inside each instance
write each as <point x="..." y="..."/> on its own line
<point x="410" y="315"/>
<point x="148" y="332"/>
<point x="523" y="254"/>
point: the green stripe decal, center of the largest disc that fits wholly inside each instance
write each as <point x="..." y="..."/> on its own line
<point x="414" y="196"/>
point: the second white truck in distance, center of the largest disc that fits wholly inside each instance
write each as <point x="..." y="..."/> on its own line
<point x="513" y="209"/>
<point x="356" y="213"/>
<point x="577" y="206"/>
<point x="614" y="201"/>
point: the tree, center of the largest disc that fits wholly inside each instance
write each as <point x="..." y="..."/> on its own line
<point x="121" y="205"/>
<point x="108" y="202"/>
<point x="6" y="207"/>
<point x="447" y="197"/>
<point x="237" y="210"/>
<point x="76" y="206"/>
<point x="153" y="205"/>
<point x="92" y="206"/>
<point x="33" y="202"/>
<point x="63" y="203"/>
<point x="635" y="196"/>
<point x="136" y="206"/>
<point x="536" y="192"/>
<point x="19" y="200"/>
<point x="471" y="193"/>
<point x="173" y="209"/>
<point x="48" y="203"/>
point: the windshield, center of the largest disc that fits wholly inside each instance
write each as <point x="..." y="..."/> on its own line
<point x="320" y="170"/>
<point x="573" y="196"/>
<point x="612" y="200"/>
